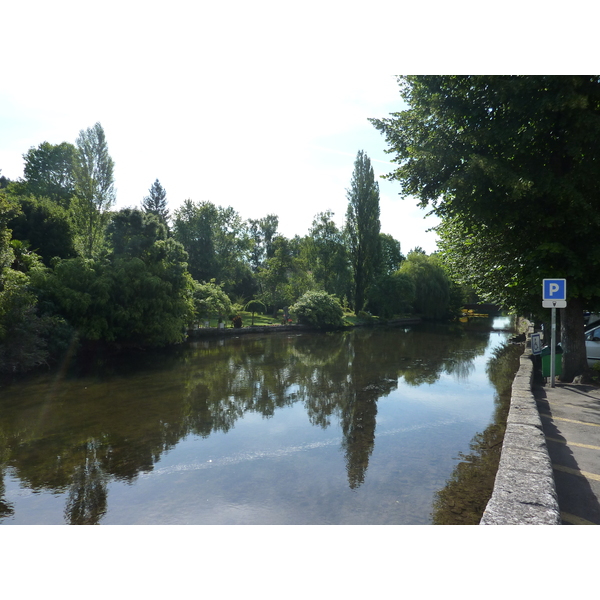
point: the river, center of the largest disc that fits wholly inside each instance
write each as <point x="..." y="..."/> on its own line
<point x="353" y="427"/>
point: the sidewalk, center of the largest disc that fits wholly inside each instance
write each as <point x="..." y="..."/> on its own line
<point x="570" y="415"/>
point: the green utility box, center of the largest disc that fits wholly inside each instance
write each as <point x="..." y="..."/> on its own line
<point x="547" y="361"/>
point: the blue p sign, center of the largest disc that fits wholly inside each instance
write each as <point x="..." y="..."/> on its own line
<point x="555" y="289"/>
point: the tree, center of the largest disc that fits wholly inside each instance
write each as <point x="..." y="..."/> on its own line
<point x="262" y="233"/>
<point x="45" y="226"/>
<point x="274" y="277"/>
<point x="319" y="308"/>
<point x="140" y="293"/>
<point x="210" y="300"/>
<point x="432" y="296"/>
<point x="392" y="295"/>
<point x="27" y="338"/>
<point x="217" y="243"/>
<point x="362" y="227"/>
<point x="4" y="181"/>
<point x="391" y="257"/>
<point x="156" y="203"/>
<point x="94" y="188"/>
<point x="49" y="172"/>
<point x="510" y="161"/>
<point x="255" y="306"/>
<point x="327" y="255"/>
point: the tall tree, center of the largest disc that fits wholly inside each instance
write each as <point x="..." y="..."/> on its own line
<point x="262" y="233"/>
<point x="156" y="202"/>
<point x="94" y="188"/>
<point x="49" y="172"/>
<point x="217" y="243"/>
<point x="362" y="227"/>
<point x="515" y="157"/>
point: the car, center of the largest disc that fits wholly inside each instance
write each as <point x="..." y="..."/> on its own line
<point x="592" y="346"/>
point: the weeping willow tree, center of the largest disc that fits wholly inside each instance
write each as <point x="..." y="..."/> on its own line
<point x="432" y="286"/>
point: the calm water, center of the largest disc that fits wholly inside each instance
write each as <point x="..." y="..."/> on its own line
<point x="359" y="427"/>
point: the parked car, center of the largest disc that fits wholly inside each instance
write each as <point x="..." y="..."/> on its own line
<point x="592" y="346"/>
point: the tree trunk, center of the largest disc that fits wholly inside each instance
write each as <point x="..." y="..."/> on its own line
<point x="573" y="340"/>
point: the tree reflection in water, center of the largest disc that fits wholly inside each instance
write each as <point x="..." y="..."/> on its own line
<point x="464" y="498"/>
<point x="115" y="420"/>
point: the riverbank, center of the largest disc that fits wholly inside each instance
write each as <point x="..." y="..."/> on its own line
<point x="201" y="332"/>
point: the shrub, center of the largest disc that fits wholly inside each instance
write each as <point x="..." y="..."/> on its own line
<point x="319" y="308"/>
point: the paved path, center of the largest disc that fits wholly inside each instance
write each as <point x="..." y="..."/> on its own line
<point x="570" y="415"/>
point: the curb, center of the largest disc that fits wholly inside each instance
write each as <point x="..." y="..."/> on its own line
<point x="524" y="491"/>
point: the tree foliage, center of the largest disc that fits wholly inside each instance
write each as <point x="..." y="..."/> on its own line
<point x="262" y="232"/>
<point x="217" y="242"/>
<point x="362" y="227"/>
<point x="255" y="306"/>
<point x="45" y="226"/>
<point x="320" y="309"/>
<point x="156" y="202"/>
<point x="94" y="189"/>
<point x="510" y="162"/>
<point x="141" y="293"/>
<point x="49" y="172"/>
<point x="327" y="256"/>
<point x="210" y="300"/>
<point x="432" y="286"/>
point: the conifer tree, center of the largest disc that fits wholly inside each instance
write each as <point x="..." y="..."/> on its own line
<point x="156" y="202"/>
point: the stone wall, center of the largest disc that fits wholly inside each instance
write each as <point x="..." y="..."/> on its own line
<point x="524" y="491"/>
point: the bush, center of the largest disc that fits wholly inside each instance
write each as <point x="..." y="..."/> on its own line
<point x="319" y="308"/>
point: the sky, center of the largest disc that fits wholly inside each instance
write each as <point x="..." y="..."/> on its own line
<point x="259" y="106"/>
<point x="244" y="113"/>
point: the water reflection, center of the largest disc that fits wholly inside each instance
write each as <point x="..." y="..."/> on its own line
<point x="463" y="499"/>
<point x="111" y="421"/>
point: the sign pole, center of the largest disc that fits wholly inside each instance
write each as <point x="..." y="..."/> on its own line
<point x="553" y="349"/>
<point x="554" y="295"/>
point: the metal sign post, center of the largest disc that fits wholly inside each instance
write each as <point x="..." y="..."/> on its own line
<point x="554" y="295"/>
<point x="553" y="349"/>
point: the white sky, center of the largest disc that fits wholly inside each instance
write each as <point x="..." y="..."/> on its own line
<point x="260" y="106"/>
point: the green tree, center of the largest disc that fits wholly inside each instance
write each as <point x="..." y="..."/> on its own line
<point x="156" y="203"/>
<point x="432" y="297"/>
<point x="140" y="293"/>
<point x="391" y="257"/>
<point x="362" y="227"/>
<point x="255" y="306"/>
<point x="49" y="172"/>
<point x="319" y="308"/>
<point x="514" y="159"/>
<point x="45" y="226"/>
<point x="217" y="242"/>
<point x="262" y="232"/>
<point x="193" y="228"/>
<point x="274" y="277"/>
<point x="4" y="181"/>
<point x="28" y="338"/>
<point x="94" y="189"/>
<point x="392" y="295"/>
<point x="327" y="256"/>
<point x="210" y="300"/>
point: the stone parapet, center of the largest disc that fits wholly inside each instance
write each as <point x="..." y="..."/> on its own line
<point x="524" y="491"/>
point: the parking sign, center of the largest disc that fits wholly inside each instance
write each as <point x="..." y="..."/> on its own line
<point x="554" y="294"/>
